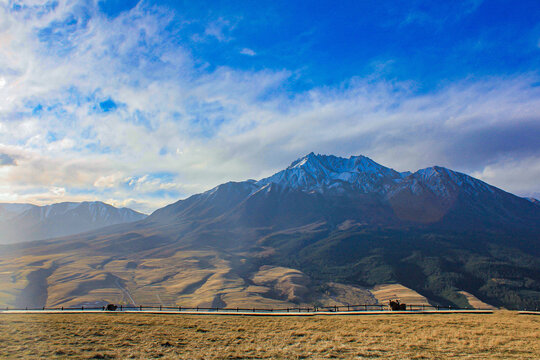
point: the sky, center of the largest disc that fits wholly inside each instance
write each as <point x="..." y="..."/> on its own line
<point x="142" y="103"/>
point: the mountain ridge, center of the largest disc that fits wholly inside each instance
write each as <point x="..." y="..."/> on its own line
<point x="32" y="222"/>
<point x="437" y="189"/>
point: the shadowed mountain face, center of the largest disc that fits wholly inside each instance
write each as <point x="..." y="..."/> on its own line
<point x="25" y="222"/>
<point x="324" y="227"/>
<point x="332" y="190"/>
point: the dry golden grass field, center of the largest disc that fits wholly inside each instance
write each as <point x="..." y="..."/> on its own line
<point x="503" y="335"/>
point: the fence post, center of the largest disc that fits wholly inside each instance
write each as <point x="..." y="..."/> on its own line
<point x="197" y="307"/>
<point x="348" y="307"/>
<point x="140" y="307"/>
<point x="121" y="307"/>
<point x="62" y="308"/>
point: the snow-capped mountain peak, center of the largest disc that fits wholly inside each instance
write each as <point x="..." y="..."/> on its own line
<point x="320" y="172"/>
<point x="332" y="189"/>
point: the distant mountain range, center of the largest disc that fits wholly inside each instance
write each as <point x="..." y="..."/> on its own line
<point x="25" y="222"/>
<point x="324" y="230"/>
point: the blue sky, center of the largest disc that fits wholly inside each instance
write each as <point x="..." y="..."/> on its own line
<point x="328" y="42"/>
<point x="140" y="103"/>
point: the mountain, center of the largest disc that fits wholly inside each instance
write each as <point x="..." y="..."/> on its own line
<point x="8" y="210"/>
<point x="25" y="222"/>
<point x="324" y="173"/>
<point x="333" y="189"/>
<point x="325" y="230"/>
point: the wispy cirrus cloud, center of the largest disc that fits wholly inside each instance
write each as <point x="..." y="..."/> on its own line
<point x="118" y="109"/>
<point x="219" y="29"/>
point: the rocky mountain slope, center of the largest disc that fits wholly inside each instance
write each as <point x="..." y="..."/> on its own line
<point x="324" y="230"/>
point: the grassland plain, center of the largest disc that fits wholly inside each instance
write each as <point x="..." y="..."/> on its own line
<point x="503" y="335"/>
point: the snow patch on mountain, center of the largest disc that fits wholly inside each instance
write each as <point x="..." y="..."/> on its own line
<point x="322" y="172"/>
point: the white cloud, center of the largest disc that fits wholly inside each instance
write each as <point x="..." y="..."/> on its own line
<point x="514" y="175"/>
<point x="219" y="29"/>
<point x="206" y="128"/>
<point x="108" y="181"/>
<point x="248" y="52"/>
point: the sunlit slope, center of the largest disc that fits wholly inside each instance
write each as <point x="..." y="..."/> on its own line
<point x="187" y="278"/>
<point x="385" y="293"/>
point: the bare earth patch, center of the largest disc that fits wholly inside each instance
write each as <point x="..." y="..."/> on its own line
<point x="475" y="302"/>
<point x="503" y="335"/>
<point x="386" y="292"/>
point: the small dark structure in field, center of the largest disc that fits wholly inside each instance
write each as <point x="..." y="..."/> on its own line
<point x="111" y="307"/>
<point x="395" y="305"/>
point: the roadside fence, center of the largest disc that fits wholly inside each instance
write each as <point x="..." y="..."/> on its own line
<point x="335" y="308"/>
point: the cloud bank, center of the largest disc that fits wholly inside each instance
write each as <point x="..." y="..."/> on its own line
<point x="118" y="109"/>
